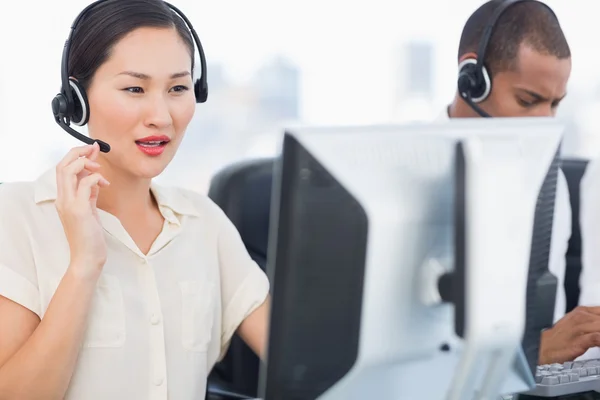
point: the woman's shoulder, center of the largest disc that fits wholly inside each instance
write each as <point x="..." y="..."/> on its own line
<point x="16" y="193"/>
<point x="17" y="200"/>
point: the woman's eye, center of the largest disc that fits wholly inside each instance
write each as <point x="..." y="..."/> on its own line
<point x="135" y="89"/>
<point x="180" y="88"/>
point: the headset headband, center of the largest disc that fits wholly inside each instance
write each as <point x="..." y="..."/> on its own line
<point x="489" y="29"/>
<point x="66" y="89"/>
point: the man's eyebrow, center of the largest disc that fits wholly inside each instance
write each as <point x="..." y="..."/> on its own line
<point x="535" y="95"/>
<point x="539" y="97"/>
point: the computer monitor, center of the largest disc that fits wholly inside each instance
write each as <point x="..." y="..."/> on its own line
<point x="367" y="223"/>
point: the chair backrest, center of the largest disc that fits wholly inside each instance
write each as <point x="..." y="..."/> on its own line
<point x="243" y="191"/>
<point x="573" y="170"/>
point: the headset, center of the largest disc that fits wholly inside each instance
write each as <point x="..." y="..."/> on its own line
<point x="474" y="78"/>
<point x="71" y="104"/>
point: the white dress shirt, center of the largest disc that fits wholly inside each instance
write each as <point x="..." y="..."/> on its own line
<point x="158" y="322"/>
<point x="589" y="220"/>
<point x="590" y="235"/>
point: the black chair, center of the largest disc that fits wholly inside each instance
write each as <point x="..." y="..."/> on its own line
<point x="573" y="170"/>
<point x="243" y="191"/>
<point x="220" y="391"/>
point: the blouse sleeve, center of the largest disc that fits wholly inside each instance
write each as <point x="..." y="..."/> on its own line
<point x="244" y="286"/>
<point x="18" y="276"/>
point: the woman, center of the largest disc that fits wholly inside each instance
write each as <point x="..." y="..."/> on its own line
<point x="112" y="287"/>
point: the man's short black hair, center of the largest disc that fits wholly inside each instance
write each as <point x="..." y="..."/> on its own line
<point x="528" y="22"/>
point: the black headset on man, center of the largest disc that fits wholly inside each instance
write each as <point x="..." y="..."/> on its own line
<point x="474" y="78"/>
<point x="71" y="104"/>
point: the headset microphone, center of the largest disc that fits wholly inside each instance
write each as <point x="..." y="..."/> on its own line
<point x="476" y="108"/>
<point x="104" y="147"/>
<point x="71" y="104"/>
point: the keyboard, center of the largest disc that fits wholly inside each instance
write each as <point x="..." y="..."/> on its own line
<point x="567" y="378"/>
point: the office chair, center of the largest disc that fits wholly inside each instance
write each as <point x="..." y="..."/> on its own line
<point x="573" y="170"/>
<point x="243" y="191"/>
<point x="218" y="391"/>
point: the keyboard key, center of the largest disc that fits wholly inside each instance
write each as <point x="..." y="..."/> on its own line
<point x="573" y="377"/>
<point x="592" y="363"/>
<point x="540" y="375"/>
<point x="568" y="365"/>
<point x="550" y="380"/>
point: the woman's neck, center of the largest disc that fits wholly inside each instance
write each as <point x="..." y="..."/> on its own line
<point x="127" y="196"/>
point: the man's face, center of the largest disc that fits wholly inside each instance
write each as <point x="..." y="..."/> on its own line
<point x="534" y="89"/>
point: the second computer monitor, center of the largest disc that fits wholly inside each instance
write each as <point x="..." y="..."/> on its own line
<point x="367" y="224"/>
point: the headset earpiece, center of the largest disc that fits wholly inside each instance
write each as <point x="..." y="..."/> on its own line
<point x="59" y="106"/>
<point x="473" y="82"/>
<point x="80" y="109"/>
<point x="201" y="91"/>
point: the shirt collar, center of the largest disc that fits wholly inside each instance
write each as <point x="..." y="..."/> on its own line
<point x="171" y="201"/>
<point x="444" y="115"/>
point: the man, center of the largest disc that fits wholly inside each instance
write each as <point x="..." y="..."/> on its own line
<point x="529" y="62"/>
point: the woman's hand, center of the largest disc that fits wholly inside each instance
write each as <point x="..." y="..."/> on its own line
<point x="78" y="184"/>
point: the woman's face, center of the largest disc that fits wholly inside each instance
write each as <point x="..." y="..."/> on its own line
<point x="142" y="100"/>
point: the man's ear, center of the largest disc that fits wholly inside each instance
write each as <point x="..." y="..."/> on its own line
<point x="467" y="56"/>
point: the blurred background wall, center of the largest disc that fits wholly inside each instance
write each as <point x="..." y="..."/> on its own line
<point x="272" y="63"/>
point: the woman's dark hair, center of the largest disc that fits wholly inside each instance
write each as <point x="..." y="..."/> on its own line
<point x="107" y="23"/>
